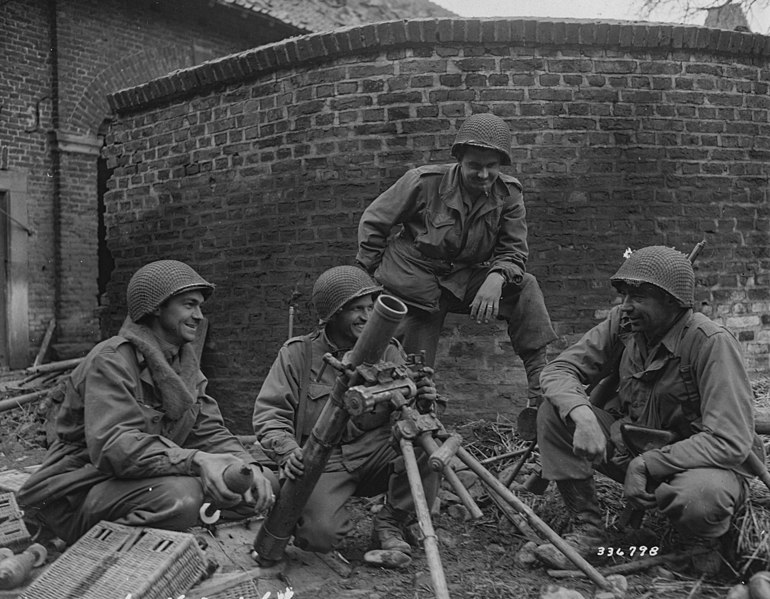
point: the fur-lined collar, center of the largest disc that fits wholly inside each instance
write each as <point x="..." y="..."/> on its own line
<point x="177" y="391"/>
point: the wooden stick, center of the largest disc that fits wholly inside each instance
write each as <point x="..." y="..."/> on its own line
<point x="503" y="456"/>
<point x="44" y="345"/>
<point x="518" y="521"/>
<point x="509" y="478"/>
<point x="533" y="519"/>
<point x="16" y="402"/>
<point x="430" y="543"/>
<point x="696" y="587"/>
<point x="55" y="366"/>
<point x="628" y="567"/>
<point x="224" y="582"/>
<point x="30" y="378"/>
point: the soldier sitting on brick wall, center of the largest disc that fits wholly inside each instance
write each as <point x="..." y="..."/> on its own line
<point x="138" y="440"/>
<point x="681" y="378"/>
<point x="365" y="463"/>
<point x="461" y="246"/>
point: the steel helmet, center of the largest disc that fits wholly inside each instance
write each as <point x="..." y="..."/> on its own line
<point x="664" y="267"/>
<point x="339" y="285"/>
<point x="155" y="282"/>
<point x="486" y="131"/>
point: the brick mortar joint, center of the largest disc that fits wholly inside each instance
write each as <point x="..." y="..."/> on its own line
<point x="317" y="47"/>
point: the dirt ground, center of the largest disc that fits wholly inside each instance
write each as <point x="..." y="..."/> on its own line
<point x="479" y="557"/>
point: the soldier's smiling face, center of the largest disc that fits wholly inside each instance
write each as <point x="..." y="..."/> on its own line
<point x="648" y="309"/>
<point x="177" y="319"/>
<point x="479" y="168"/>
<point x="347" y="324"/>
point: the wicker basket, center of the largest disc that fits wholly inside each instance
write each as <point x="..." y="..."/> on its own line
<point x="246" y="589"/>
<point x="112" y="561"/>
<point x="13" y="531"/>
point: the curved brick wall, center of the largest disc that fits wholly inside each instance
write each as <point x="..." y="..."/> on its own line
<point x="256" y="167"/>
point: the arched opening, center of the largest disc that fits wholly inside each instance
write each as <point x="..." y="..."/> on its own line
<point x="106" y="262"/>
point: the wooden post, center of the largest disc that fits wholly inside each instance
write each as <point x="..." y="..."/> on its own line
<point x="44" y="345"/>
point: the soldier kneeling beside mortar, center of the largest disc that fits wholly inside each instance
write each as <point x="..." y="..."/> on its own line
<point x="365" y="461"/>
<point x="678" y="372"/>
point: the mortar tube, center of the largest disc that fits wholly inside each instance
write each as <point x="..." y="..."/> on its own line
<point x="276" y="530"/>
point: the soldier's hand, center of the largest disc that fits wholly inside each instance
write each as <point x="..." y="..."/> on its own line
<point x="293" y="466"/>
<point x="635" y="484"/>
<point x="588" y="441"/>
<point x="426" y="391"/>
<point x="486" y="305"/>
<point x="261" y="494"/>
<point x="210" y="467"/>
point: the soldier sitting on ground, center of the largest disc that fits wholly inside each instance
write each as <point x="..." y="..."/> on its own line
<point x="678" y="372"/>
<point x="138" y="440"/>
<point x="365" y="463"/>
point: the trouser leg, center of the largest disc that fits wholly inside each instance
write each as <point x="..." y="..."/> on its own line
<point x="389" y="522"/>
<point x="61" y="518"/>
<point x="385" y="472"/>
<point x="420" y="331"/>
<point x="167" y="502"/>
<point x="534" y="362"/>
<point x="579" y="497"/>
<point x="326" y="520"/>
<point x="574" y="479"/>
<point x="523" y="307"/>
<point x="554" y="438"/>
<point x="701" y="502"/>
<point x="399" y="491"/>
<point x="530" y="330"/>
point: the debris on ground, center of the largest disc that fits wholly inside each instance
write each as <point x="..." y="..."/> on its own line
<point x="487" y="557"/>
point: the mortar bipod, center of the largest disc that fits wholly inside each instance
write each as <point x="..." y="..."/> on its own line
<point x="396" y="386"/>
<point x="424" y="427"/>
<point x="412" y="425"/>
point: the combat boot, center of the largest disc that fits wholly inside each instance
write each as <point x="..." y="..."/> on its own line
<point x="587" y="534"/>
<point x="387" y="530"/>
<point x="706" y="555"/>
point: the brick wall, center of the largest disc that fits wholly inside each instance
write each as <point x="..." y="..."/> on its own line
<point x="100" y="46"/>
<point x="255" y="169"/>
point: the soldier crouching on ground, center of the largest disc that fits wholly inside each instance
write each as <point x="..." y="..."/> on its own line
<point x="138" y="440"/>
<point x="680" y="374"/>
<point x="365" y="462"/>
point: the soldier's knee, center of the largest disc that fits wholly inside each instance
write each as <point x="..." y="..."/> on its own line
<point x="319" y="535"/>
<point x="700" y="510"/>
<point x="547" y="419"/>
<point x="701" y="519"/>
<point x="178" y="502"/>
<point x="188" y="499"/>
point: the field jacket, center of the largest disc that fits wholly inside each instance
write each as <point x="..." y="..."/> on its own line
<point x="292" y="397"/>
<point x="692" y="382"/>
<point x="441" y="240"/>
<point x="112" y="424"/>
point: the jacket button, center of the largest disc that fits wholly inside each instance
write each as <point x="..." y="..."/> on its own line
<point x="156" y="418"/>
